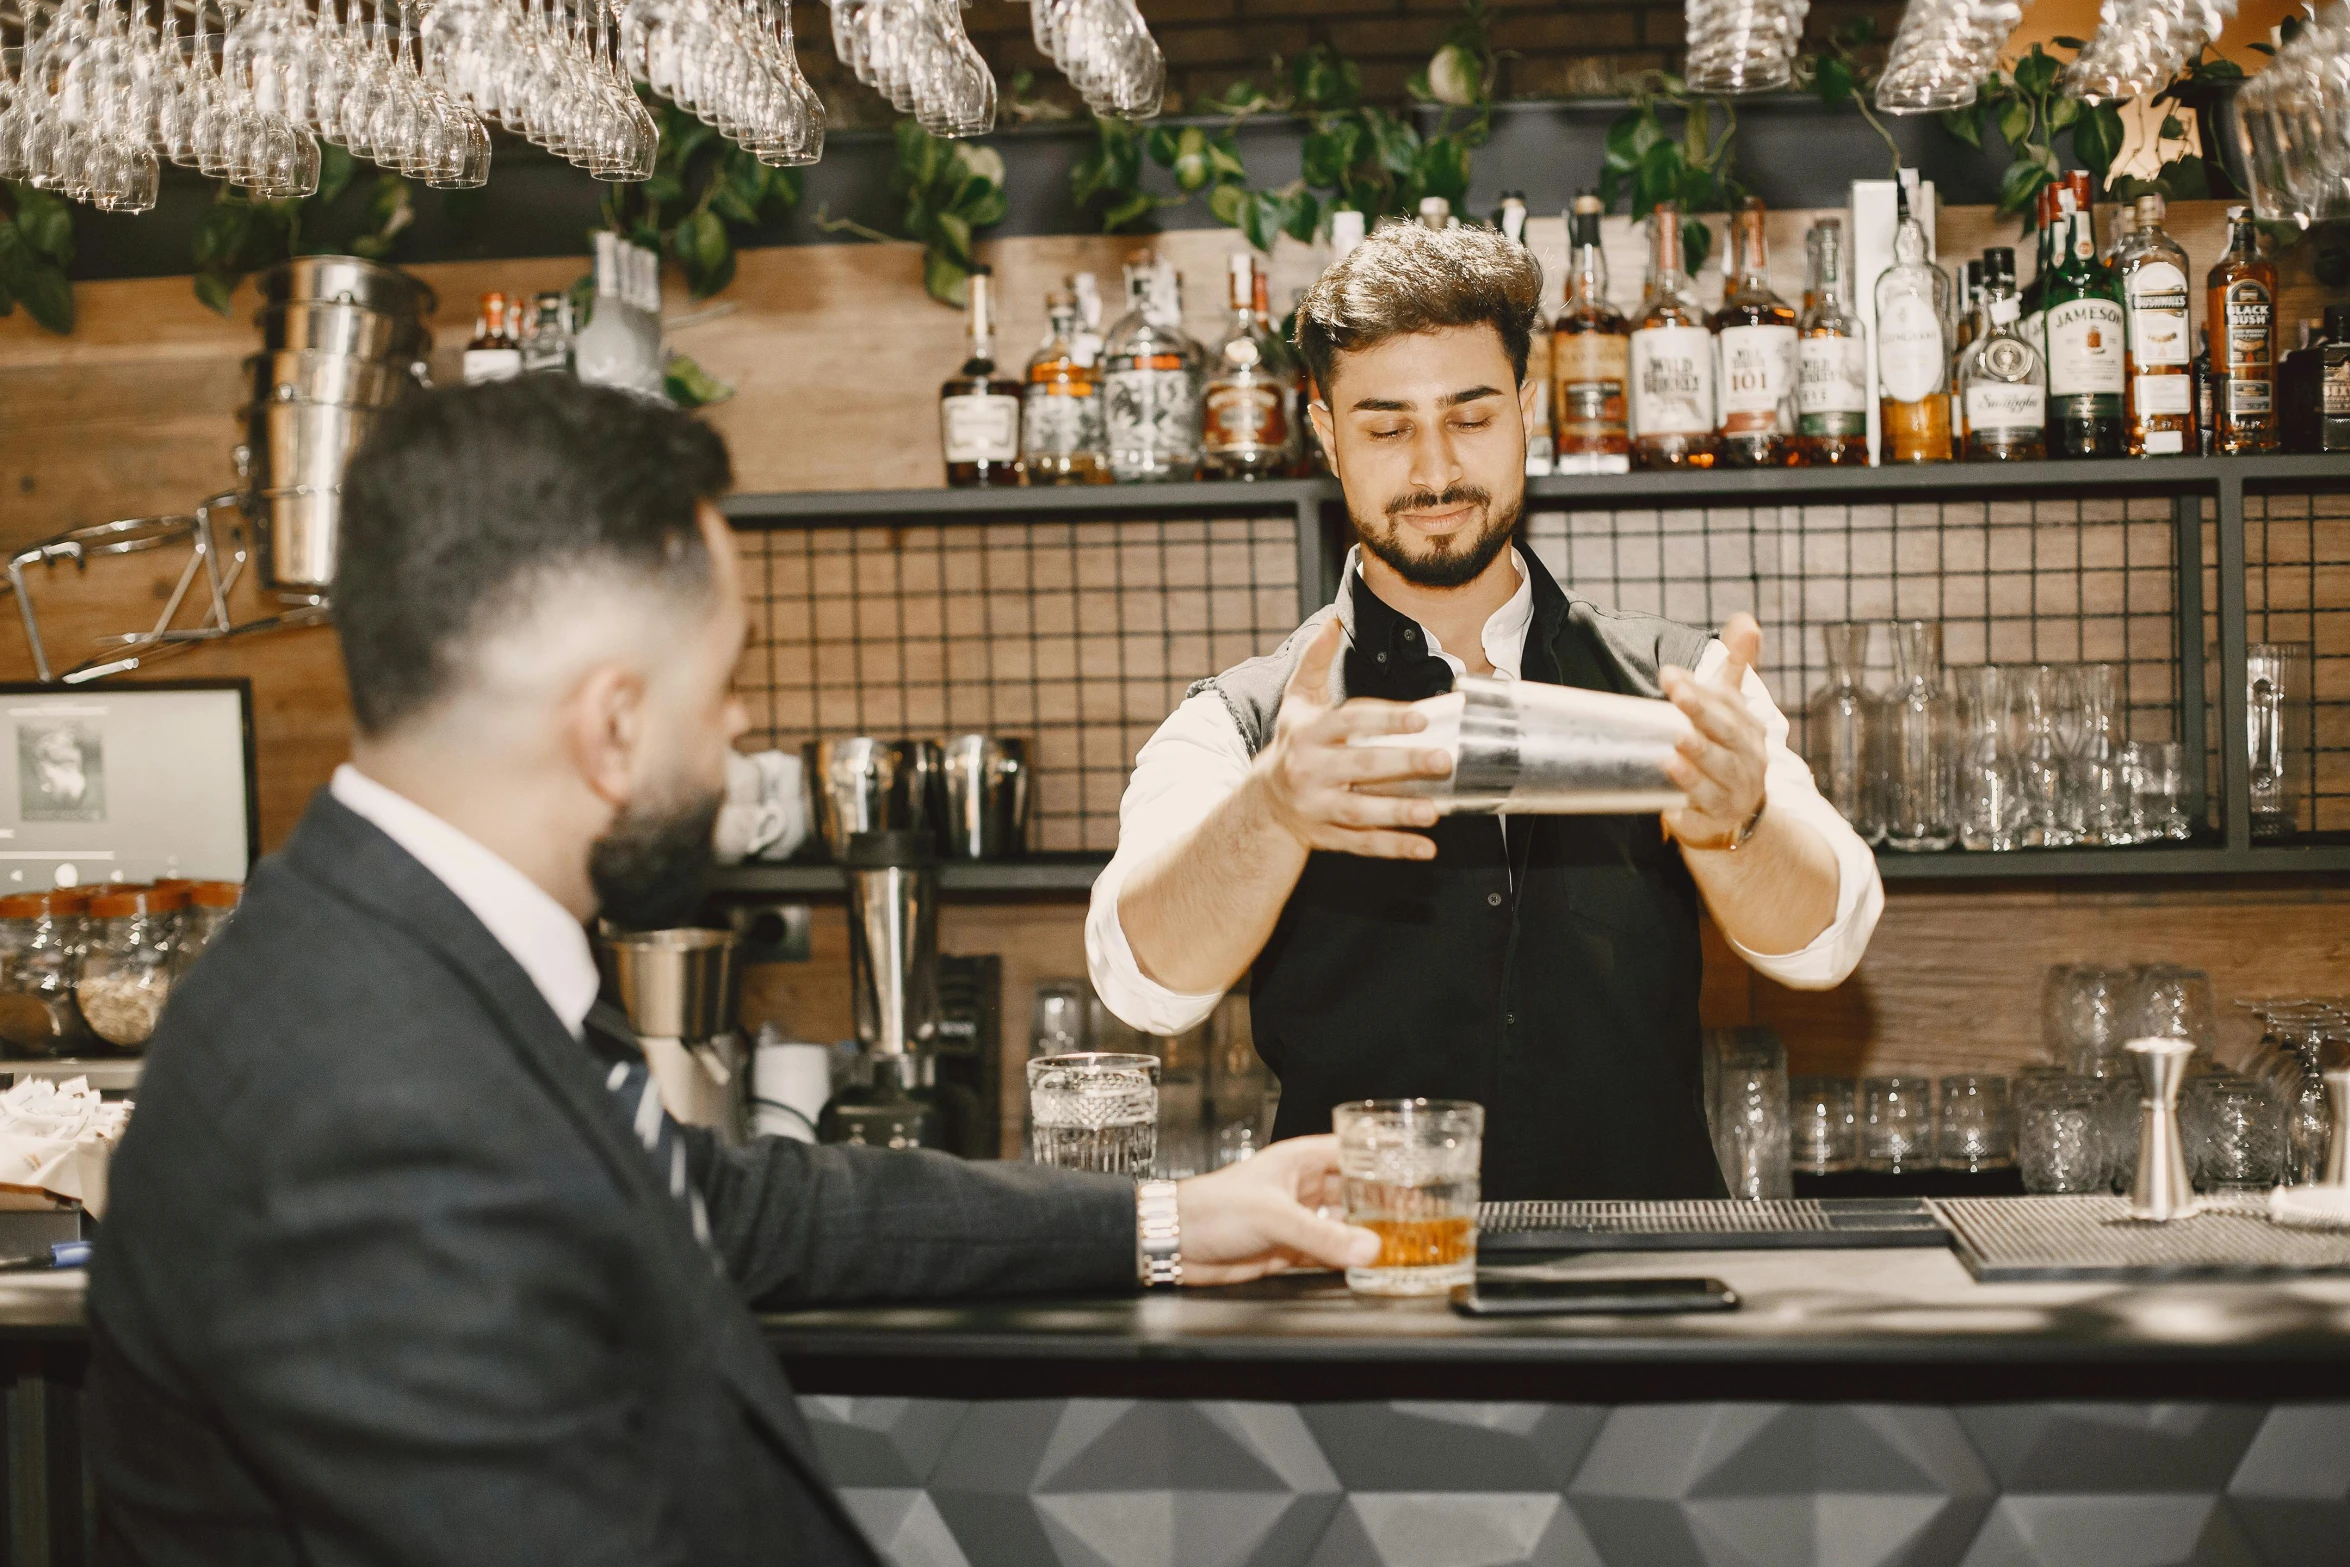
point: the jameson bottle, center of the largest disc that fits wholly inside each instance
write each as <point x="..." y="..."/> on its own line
<point x="1831" y="361"/>
<point x="2240" y="307"/>
<point x="1672" y="359"/>
<point x="1590" y="361"/>
<point x="1913" y="344"/>
<point x="2086" y="363"/>
<point x="979" y="406"/>
<point x="2000" y="376"/>
<point x="1511" y="220"/>
<point x="2159" y="411"/>
<point x="1755" y="333"/>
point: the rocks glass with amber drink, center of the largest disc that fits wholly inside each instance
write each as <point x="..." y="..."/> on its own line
<point x="1410" y="1173"/>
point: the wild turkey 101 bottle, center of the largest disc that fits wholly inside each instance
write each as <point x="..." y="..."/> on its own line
<point x="1755" y="332"/>
<point x="2240" y="307"/>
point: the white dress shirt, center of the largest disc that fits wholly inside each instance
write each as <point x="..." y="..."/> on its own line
<point x="538" y="932"/>
<point x="1198" y="757"/>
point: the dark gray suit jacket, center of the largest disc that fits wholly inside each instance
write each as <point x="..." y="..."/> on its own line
<point x="384" y="1280"/>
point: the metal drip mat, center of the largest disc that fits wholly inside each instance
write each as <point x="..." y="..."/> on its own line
<point x="2006" y="1240"/>
<point x="1720" y="1224"/>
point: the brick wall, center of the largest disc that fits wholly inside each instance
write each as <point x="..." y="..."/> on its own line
<point x="1553" y="48"/>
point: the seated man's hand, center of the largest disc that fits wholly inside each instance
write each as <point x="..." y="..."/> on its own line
<point x="1257" y="1217"/>
<point x="1309" y="774"/>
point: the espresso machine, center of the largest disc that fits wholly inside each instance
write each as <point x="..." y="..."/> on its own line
<point x="893" y="972"/>
<point x="677" y="987"/>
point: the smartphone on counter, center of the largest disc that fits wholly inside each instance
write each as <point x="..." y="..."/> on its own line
<point x="1505" y="1296"/>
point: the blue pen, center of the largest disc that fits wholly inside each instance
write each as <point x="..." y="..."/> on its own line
<point x="63" y="1254"/>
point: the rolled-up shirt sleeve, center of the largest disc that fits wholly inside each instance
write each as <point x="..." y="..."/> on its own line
<point x="1835" y="952"/>
<point x="1185" y="770"/>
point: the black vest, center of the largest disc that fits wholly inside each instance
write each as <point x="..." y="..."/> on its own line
<point x="1553" y="978"/>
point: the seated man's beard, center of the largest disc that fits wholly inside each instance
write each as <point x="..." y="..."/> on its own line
<point x="649" y="869"/>
<point x="1451" y="562"/>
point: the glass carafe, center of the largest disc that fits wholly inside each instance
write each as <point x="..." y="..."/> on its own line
<point x="2040" y="760"/>
<point x="1842" y="726"/>
<point x="1989" y="773"/>
<point x="1917" y="750"/>
<point x="2277" y="721"/>
<point x="2100" y="805"/>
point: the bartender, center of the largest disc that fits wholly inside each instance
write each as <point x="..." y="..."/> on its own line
<point x="1546" y="967"/>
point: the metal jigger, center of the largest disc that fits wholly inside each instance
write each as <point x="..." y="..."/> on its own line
<point x="2161" y="1190"/>
<point x="2338" y="1147"/>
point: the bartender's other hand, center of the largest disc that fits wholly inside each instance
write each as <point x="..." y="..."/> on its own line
<point x="1257" y="1217"/>
<point x="1309" y="773"/>
<point x="1721" y="766"/>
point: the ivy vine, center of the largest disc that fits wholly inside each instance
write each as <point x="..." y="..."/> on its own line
<point x="705" y="193"/>
<point x="2029" y="108"/>
<point x="36" y="246"/>
<point x="1645" y="164"/>
<point x="950" y="189"/>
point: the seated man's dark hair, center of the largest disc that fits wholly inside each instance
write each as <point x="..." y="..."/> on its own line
<point x="464" y="498"/>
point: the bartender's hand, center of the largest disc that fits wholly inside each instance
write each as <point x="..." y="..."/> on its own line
<point x="1257" y="1217"/>
<point x="1721" y="766"/>
<point x="1308" y="774"/>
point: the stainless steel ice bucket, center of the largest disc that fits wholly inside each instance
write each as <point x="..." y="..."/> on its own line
<point x="346" y="280"/>
<point x="352" y="330"/>
<point x="304" y="375"/>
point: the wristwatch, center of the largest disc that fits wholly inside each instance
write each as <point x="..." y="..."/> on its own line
<point x="1738" y="835"/>
<point x="1158" y="1250"/>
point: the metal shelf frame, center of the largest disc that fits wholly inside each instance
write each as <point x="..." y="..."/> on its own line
<point x="1321" y="531"/>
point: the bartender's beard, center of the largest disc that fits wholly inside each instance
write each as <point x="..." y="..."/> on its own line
<point x="1449" y="562"/>
<point x="649" y="868"/>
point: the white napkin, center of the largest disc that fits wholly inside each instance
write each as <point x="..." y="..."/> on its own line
<point x="2311" y="1207"/>
<point x="57" y="1137"/>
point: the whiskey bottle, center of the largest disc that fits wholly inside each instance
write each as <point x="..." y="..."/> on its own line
<point x="1913" y="345"/>
<point x="2000" y="375"/>
<point x="2032" y="298"/>
<point x="2333" y="402"/>
<point x="1245" y="413"/>
<point x="1151" y="373"/>
<point x="2203" y="402"/>
<point x="493" y="354"/>
<point x="2300" y="390"/>
<point x="1589" y="357"/>
<point x="546" y="344"/>
<point x="1831" y="361"/>
<point x="1672" y="359"/>
<point x="2240" y="307"/>
<point x="2086" y="361"/>
<point x="2160" y="407"/>
<point x="1062" y="437"/>
<point x="1756" y="334"/>
<point x="979" y="409"/>
<point x="1511" y="220"/>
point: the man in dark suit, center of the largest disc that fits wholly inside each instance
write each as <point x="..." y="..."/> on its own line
<point x="404" y="1263"/>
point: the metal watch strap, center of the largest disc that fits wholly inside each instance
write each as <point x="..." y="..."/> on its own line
<point x="1158" y="1237"/>
<point x="1738" y="835"/>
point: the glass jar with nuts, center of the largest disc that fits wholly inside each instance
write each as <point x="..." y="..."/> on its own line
<point x="41" y="938"/>
<point x="128" y="967"/>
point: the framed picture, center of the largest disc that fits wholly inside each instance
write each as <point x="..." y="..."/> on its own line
<point x="127" y="783"/>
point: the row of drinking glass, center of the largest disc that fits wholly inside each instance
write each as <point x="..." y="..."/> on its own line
<point x="2293" y="125"/>
<point x="2089" y="1011"/>
<point x="916" y="54"/>
<point x="2024" y="756"/>
<point x="1213" y="1100"/>
<point x="1888" y="1124"/>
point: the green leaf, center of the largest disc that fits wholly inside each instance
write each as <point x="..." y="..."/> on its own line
<point x="1395" y="141"/>
<point x="2186" y="178"/>
<point x="1697" y="243"/>
<point x="728" y="203"/>
<point x="691" y="386"/>
<point x="1230" y="204"/>
<point x="951" y="237"/>
<point x="46" y="222"/>
<point x="2173" y="128"/>
<point x="1833" y="82"/>
<point x="700" y="246"/>
<point x="1224" y="159"/>
<point x="2097" y="139"/>
<point x="1658" y="178"/>
<point x="2035" y="73"/>
<point x="1191" y="166"/>
<point x="1444" y="170"/>
<point x="2063" y="112"/>
<point x="2015" y="122"/>
<point x="943" y="278"/>
<point x="214" y="289"/>
<point x="1304" y="219"/>
<point x="2062" y="42"/>
<point x="1129" y="208"/>
<point x="1961" y="123"/>
<point x="2018" y="184"/>
<point x="663" y="190"/>
<point x="39" y="285"/>
<point x="1260" y="219"/>
<point x="987" y="208"/>
<point x="335" y="168"/>
<point x="1861" y="30"/>
<point x="1162" y="144"/>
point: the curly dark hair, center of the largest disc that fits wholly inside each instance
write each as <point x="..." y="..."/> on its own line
<point x="1406" y="278"/>
<point x="462" y="496"/>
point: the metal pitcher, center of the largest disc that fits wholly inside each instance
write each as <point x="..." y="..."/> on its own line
<point x="986" y="815"/>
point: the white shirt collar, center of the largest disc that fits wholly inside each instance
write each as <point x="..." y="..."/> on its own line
<point x="535" y="930"/>
<point x="1504" y="636"/>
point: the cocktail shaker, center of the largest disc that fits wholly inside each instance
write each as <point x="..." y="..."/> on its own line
<point x="1528" y="748"/>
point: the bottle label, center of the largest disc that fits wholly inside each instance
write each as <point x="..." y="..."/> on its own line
<point x="1152" y="416"/>
<point x="1244" y="417"/>
<point x="980" y="427"/>
<point x="1758" y="367"/>
<point x="1673" y="381"/>
<point x="2247" y="396"/>
<point x="1589" y="370"/>
<point x="1831" y="386"/>
<point x="2085" y="348"/>
<point x="2004" y="405"/>
<point x="2336" y="389"/>
<point x="1910" y="357"/>
<point x="2158" y="315"/>
<point x="1060" y="420"/>
<point x="2160" y="394"/>
<point x="492" y="364"/>
<point x="2244" y="347"/>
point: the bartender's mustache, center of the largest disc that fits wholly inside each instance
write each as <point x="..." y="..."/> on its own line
<point x="1430" y="500"/>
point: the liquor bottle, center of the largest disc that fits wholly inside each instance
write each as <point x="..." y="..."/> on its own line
<point x="1756" y="334"/>
<point x="2086" y="362"/>
<point x="2160" y="407"/>
<point x="1062" y="436"/>
<point x="1088" y="341"/>
<point x="1151" y="372"/>
<point x="1589" y="357"/>
<point x="2201" y="371"/>
<point x="1966" y="324"/>
<point x="2300" y="390"/>
<point x="1672" y="359"/>
<point x="493" y="355"/>
<point x="546" y="343"/>
<point x="642" y="270"/>
<point x="606" y="351"/>
<point x="1511" y="220"/>
<point x="1435" y="212"/>
<point x="978" y="407"/>
<point x="2000" y="376"/>
<point x="1913" y="344"/>
<point x="2240" y="307"/>
<point x="2032" y="299"/>
<point x="1245" y="414"/>
<point x="1831" y="361"/>
<point x="2333" y="403"/>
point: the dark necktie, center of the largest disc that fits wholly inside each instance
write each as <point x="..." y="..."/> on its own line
<point x="638" y="1098"/>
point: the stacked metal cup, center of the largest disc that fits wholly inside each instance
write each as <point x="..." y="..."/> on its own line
<point x="341" y="339"/>
<point x="1742" y="46"/>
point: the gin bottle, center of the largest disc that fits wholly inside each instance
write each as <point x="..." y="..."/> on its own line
<point x="1151" y="373"/>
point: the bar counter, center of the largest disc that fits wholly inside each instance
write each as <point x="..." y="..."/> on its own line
<point x="1860" y="1407"/>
